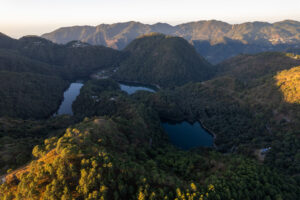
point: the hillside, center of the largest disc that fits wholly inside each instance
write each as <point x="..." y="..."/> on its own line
<point x="111" y="158"/>
<point x="35" y="72"/>
<point x="18" y="137"/>
<point x="245" y="113"/>
<point x="162" y="60"/>
<point x="73" y="60"/>
<point x="6" y="41"/>
<point x="76" y="59"/>
<point x="215" y="40"/>
<point x="27" y="95"/>
<point x="228" y="48"/>
<point x="12" y="61"/>
<point x="289" y="84"/>
<point x="249" y="67"/>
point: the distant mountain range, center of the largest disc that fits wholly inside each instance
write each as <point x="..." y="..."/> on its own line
<point x="215" y="40"/>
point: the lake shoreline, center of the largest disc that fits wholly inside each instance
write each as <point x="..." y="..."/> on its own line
<point x="62" y="107"/>
<point x="176" y="121"/>
<point x="136" y="83"/>
<point x="210" y="132"/>
<point x="192" y="123"/>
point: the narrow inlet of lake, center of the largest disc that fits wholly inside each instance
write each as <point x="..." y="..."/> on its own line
<point x="187" y="136"/>
<point x="69" y="97"/>
<point x="132" y="88"/>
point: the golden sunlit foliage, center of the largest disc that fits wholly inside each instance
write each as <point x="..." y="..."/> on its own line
<point x="289" y="83"/>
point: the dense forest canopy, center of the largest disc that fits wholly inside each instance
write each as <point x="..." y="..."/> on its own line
<point x="114" y="146"/>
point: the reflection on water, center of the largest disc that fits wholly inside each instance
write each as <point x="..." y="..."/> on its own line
<point x="130" y="89"/>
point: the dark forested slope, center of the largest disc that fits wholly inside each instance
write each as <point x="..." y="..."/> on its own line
<point x="27" y="95"/>
<point x="76" y="59"/>
<point x="249" y="67"/>
<point x="162" y="60"/>
<point x="35" y="72"/>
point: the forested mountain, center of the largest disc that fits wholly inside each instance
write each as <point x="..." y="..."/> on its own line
<point x="162" y="60"/>
<point x="215" y="40"/>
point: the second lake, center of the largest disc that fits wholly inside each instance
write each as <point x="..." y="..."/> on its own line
<point x="186" y="136"/>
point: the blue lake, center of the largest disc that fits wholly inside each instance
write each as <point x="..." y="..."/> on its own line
<point x="130" y="89"/>
<point x="69" y="96"/>
<point x="186" y="136"/>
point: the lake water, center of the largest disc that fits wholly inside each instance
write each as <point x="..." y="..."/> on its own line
<point x="186" y="136"/>
<point x="69" y="96"/>
<point x="132" y="88"/>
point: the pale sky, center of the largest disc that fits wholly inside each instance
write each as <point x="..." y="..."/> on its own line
<point x="35" y="17"/>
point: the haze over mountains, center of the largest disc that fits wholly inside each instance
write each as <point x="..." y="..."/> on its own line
<point x="210" y="38"/>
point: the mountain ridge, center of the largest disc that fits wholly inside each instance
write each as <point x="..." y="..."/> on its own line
<point x="177" y="30"/>
<point x="215" y="40"/>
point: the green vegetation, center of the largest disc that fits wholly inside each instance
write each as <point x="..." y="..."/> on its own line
<point x="96" y="160"/>
<point x="217" y="105"/>
<point x="114" y="146"/>
<point x="116" y="157"/>
<point x="27" y="95"/>
<point x="18" y="137"/>
<point x="249" y="67"/>
<point x="162" y="60"/>
<point x="34" y="73"/>
<point x="245" y="115"/>
<point x="76" y="60"/>
<point x="98" y="98"/>
<point x="12" y="61"/>
<point x="289" y="84"/>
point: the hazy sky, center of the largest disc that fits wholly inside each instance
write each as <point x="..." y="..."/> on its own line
<point x="23" y="17"/>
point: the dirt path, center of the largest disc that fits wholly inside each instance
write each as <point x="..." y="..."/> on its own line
<point x="4" y="177"/>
